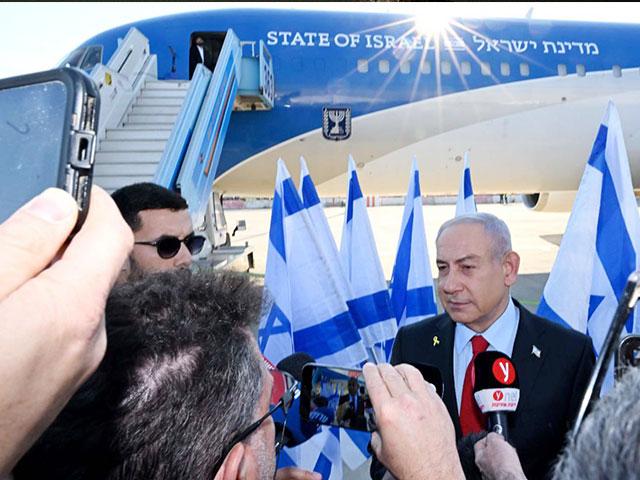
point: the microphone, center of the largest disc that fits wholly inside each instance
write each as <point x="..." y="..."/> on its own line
<point x="290" y="427"/>
<point x="496" y="389"/>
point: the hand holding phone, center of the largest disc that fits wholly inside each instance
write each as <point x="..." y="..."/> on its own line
<point x="338" y="396"/>
<point x="415" y="436"/>
<point x="48" y="125"/>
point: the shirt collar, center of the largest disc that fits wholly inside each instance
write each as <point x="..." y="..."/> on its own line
<point x="500" y="334"/>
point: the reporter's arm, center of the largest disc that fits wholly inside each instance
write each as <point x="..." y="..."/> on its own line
<point x="52" y="333"/>
<point x="415" y="437"/>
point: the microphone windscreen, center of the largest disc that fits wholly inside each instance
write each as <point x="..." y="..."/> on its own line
<point x="294" y="363"/>
<point x="496" y="387"/>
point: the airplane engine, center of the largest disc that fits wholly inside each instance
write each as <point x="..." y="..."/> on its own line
<point x="549" y="201"/>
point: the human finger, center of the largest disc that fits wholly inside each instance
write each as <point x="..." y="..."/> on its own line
<point x="376" y="444"/>
<point x="79" y="283"/>
<point x="393" y="380"/>
<point x="378" y="393"/>
<point x="32" y="236"/>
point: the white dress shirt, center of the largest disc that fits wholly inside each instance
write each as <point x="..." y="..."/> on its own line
<point x="201" y="50"/>
<point x="500" y="335"/>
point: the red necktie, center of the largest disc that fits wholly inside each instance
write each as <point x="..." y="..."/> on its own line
<point x="471" y="419"/>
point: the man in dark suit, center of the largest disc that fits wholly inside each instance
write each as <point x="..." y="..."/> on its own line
<point x="351" y="407"/>
<point x="199" y="53"/>
<point x="476" y="269"/>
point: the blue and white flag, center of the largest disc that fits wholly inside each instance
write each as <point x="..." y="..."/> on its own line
<point x="370" y="304"/>
<point x="353" y="444"/>
<point x="601" y="243"/>
<point x="319" y="319"/>
<point x="412" y="294"/>
<point x="466" y="203"/>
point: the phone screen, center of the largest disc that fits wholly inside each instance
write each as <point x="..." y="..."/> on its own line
<point x="336" y="396"/>
<point x="32" y="124"/>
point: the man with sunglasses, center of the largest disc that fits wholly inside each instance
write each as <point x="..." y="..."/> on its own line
<point x="163" y="233"/>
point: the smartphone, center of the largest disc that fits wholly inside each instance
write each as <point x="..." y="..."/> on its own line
<point x="628" y="355"/>
<point x="338" y="396"/>
<point x="48" y="127"/>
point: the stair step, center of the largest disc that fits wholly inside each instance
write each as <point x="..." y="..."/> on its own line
<point x="111" y="184"/>
<point x="118" y="169"/>
<point x="132" y="146"/>
<point x="127" y="134"/>
<point x="163" y="94"/>
<point x="149" y="126"/>
<point x="127" y="157"/>
<point x="159" y="101"/>
<point x="155" y="110"/>
<point x="166" y="85"/>
<point x="151" y="119"/>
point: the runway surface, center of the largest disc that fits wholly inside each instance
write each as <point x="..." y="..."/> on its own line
<point x="535" y="236"/>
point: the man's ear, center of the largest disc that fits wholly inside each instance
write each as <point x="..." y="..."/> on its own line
<point x="510" y="266"/>
<point x="230" y="469"/>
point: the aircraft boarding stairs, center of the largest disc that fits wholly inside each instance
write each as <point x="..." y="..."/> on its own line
<point x="172" y="132"/>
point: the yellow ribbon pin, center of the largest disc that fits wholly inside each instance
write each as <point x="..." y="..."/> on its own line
<point x="436" y="340"/>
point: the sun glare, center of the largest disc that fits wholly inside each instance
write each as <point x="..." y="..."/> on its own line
<point x="431" y="24"/>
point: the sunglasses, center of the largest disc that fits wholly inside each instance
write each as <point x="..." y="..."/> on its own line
<point x="284" y="403"/>
<point x="168" y="246"/>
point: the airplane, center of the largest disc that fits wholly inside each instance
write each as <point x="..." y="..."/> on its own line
<point x="524" y="97"/>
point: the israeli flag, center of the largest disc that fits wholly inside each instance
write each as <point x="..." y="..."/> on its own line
<point x="466" y="203"/>
<point x="370" y="304"/>
<point x="600" y="246"/>
<point x="412" y="294"/>
<point x="317" y="313"/>
<point x="321" y="454"/>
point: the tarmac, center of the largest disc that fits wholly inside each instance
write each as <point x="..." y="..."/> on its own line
<point x="535" y="236"/>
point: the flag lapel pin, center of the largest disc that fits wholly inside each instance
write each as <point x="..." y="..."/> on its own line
<point x="536" y="351"/>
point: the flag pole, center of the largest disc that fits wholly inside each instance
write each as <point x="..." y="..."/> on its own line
<point x="626" y="305"/>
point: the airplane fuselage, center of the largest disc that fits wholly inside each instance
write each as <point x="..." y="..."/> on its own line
<point x="525" y="97"/>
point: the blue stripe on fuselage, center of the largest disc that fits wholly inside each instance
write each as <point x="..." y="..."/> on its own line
<point x="311" y="77"/>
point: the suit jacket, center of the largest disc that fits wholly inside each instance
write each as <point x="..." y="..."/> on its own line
<point x="195" y="59"/>
<point x="355" y="416"/>
<point x="551" y="385"/>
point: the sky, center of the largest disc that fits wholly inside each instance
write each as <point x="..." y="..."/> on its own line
<point x="37" y="36"/>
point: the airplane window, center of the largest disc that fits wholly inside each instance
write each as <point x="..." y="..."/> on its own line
<point x="405" y="67"/>
<point x="445" y="67"/>
<point x="465" y="68"/>
<point x="383" y="66"/>
<point x="580" y="70"/>
<point x="363" y="65"/>
<point x="617" y="71"/>
<point x="485" y="69"/>
<point x="562" y="70"/>
<point x="524" y="69"/>
<point x="505" y="69"/>
<point x="425" y="67"/>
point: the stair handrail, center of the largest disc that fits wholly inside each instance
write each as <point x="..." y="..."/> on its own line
<point x="203" y="154"/>
<point x="176" y="147"/>
<point x="122" y="78"/>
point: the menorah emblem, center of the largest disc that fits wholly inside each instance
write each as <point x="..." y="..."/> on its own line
<point x="336" y="123"/>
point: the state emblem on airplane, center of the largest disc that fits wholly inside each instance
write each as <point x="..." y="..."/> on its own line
<point x="336" y="123"/>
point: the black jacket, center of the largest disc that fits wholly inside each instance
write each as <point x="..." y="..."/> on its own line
<point x="551" y="385"/>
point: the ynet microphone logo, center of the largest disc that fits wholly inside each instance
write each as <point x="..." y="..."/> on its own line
<point x="498" y="395"/>
<point x="504" y="371"/>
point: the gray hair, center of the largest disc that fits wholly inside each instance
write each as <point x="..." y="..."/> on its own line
<point x="607" y="445"/>
<point x="493" y="226"/>
<point x="181" y="376"/>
